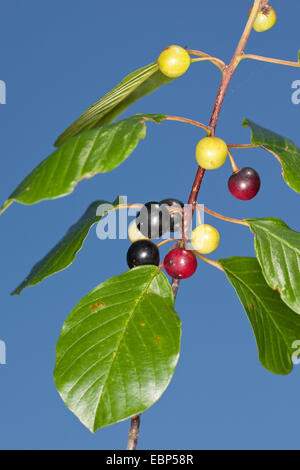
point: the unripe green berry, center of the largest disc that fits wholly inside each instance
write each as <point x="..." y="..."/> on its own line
<point x="205" y="239"/>
<point x="174" y="61"/>
<point x="211" y="153"/>
<point x="134" y="234"/>
<point x="265" y="19"/>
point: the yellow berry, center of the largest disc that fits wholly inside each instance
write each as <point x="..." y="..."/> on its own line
<point x="174" y="61"/>
<point x="265" y="19"/>
<point x="211" y="153"/>
<point x="205" y="239"/>
<point x="134" y="234"/>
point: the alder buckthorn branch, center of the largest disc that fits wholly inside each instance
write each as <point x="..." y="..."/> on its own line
<point x="134" y="432"/>
<point x="226" y="79"/>
<point x="178" y="259"/>
<point x="99" y="404"/>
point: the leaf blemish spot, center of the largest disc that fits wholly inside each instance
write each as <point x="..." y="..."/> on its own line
<point x="142" y="323"/>
<point x="158" y="340"/>
<point x="251" y="306"/>
<point x="147" y="292"/>
<point x="100" y="304"/>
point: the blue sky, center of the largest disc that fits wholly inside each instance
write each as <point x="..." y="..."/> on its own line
<point x="58" y="58"/>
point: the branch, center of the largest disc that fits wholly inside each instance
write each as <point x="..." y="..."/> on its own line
<point x="134" y="432"/>
<point x="226" y="78"/>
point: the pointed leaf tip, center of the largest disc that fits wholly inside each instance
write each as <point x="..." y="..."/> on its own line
<point x="133" y="87"/>
<point x="92" y="152"/>
<point x="118" y="348"/>
<point x="274" y="324"/>
<point x="65" y="251"/>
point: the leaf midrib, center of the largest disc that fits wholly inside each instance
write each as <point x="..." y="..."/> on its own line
<point x="119" y="342"/>
<point x="283" y="241"/>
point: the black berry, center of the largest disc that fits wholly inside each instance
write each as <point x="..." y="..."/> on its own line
<point x="176" y="216"/>
<point x="141" y="253"/>
<point x="244" y="184"/>
<point x="153" y="220"/>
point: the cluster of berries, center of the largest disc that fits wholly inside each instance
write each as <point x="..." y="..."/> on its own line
<point x="154" y="220"/>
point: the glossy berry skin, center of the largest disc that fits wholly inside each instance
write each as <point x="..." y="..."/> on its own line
<point x="141" y="253"/>
<point x="244" y="184"/>
<point x="175" y="217"/>
<point x="265" y="19"/>
<point x="211" y="153"/>
<point x="180" y="263"/>
<point x="153" y="220"/>
<point x="205" y="239"/>
<point x="174" y="61"/>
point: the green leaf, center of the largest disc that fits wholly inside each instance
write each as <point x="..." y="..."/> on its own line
<point x="275" y="326"/>
<point x="95" y="151"/>
<point x="65" y="251"/>
<point x="277" y="248"/>
<point x="299" y="56"/>
<point x="133" y="87"/>
<point x="118" y="348"/>
<point x="284" y="149"/>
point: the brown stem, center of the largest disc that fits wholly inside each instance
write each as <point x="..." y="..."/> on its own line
<point x="165" y="241"/>
<point x="233" y="164"/>
<point x="188" y="121"/>
<point x="224" y="217"/>
<point x="226" y="78"/>
<point x="233" y="63"/>
<point x="270" y="60"/>
<point x="215" y="60"/>
<point x="134" y="432"/>
<point x="215" y="264"/>
<point x="241" y="146"/>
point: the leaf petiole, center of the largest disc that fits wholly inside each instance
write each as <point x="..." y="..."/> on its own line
<point x="269" y="60"/>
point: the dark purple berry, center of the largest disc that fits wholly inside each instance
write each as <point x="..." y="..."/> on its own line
<point x="244" y="184"/>
<point x="176" y="216"/>
<point x="141" y="253"/>
<point x="153" y="220"/>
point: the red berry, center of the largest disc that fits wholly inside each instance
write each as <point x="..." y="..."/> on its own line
<point x="180" y="263"/>
<point x="244" y="184"/>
